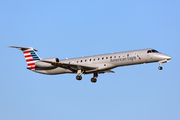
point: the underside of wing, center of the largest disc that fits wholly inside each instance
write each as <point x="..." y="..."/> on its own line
<point x="72" y="67"/>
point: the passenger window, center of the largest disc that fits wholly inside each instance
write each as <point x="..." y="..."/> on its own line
<point x="89" y="59"/>
<point x="119" y="56"/>
<point x="69" y="62"/>
<point x="81" y="60"/>
<point x="77" y="61"/>
<point x="114" y="56"/>
<point x="102" y="58"/>
<point x="127" y="55"/>
<point x="106" y="57"/>
<point x="98" y="58"/>
<point x="94" y="59"/>
<point x="110" y="56"/>
<point x="85" y="60"/>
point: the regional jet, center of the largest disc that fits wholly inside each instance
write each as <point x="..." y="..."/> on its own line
<point x="92" y="64"/>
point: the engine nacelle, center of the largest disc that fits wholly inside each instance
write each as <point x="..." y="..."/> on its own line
<point x="46" y="65"/>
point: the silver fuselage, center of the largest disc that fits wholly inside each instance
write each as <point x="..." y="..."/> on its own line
<point x="109" y="61"/>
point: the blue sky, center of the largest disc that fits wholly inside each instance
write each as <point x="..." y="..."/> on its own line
<point x="75" y="28"/>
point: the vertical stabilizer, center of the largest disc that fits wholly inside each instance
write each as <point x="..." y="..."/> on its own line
<point x="30" y="56"/>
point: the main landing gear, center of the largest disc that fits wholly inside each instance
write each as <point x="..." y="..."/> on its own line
<point x="79" y="77"/>
<point x="79" y="73"/>
<point x="94" y="79"/>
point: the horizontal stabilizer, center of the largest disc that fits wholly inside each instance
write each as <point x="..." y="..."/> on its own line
<point x="23" y="48"/>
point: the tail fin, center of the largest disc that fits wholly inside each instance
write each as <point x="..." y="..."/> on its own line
<point x="30" y="56"/>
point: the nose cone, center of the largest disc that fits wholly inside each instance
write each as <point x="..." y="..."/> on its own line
<point x="162" y="56"/>
<point x="167" y="57"/>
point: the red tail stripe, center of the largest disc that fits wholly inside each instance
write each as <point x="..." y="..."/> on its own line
<point x="28" y="56"/>
<point x="26" y="52"/>
<point x="32" y="68"/>
<point x="28" y="60"/>
<point x="31" y="64"/>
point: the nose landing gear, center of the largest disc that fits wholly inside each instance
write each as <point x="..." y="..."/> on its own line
<point x="79" y="73"/>
<point x="160" y="68"/>
<point x="79" y="77"/>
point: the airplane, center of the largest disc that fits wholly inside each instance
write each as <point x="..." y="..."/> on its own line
<point x="95" y="65"/>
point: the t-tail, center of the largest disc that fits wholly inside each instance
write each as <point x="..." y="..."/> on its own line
<point x="30" y="56"/>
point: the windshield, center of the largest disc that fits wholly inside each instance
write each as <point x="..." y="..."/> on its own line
<point x="152" y="51"/>
<point x="155" y="51"/>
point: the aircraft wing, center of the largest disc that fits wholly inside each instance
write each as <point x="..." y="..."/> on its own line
<point x="72" y="67"/>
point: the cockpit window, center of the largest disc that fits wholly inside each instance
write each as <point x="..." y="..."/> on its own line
<point x="149" y="51"/>
<point x="152" y="51"/>
<point x="155" y="51"/>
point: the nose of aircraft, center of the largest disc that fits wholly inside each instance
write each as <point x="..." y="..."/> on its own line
<point x="166" y="57"/>
<point x="163" y="57"/>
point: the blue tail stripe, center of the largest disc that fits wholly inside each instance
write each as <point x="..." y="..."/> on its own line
<point x="34" y="55"/>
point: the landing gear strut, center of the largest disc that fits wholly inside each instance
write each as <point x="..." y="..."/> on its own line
<point x="79" y="73"/>
<point x="160" y="68"/>
<point x="94" y="79"/>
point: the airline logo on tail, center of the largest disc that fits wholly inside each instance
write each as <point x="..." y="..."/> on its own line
<point x="31" y="57"/>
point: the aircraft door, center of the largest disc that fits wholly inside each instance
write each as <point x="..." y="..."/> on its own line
<point x="149" y="55"/>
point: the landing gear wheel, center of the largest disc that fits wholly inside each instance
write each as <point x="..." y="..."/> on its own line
<point x="93" y="80"/>
<point x="78" y="77"/>
<point x="160" y="68"/>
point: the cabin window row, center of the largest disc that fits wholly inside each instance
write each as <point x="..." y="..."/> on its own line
<point x="99" y="59"/>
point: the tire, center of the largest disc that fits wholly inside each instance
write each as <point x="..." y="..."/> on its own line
<point x="93" y="80"/>
<point x="79" y="77"/>
<point x="160" y="68"/>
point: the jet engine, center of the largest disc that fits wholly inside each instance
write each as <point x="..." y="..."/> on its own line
<point x="42" y="64"/>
